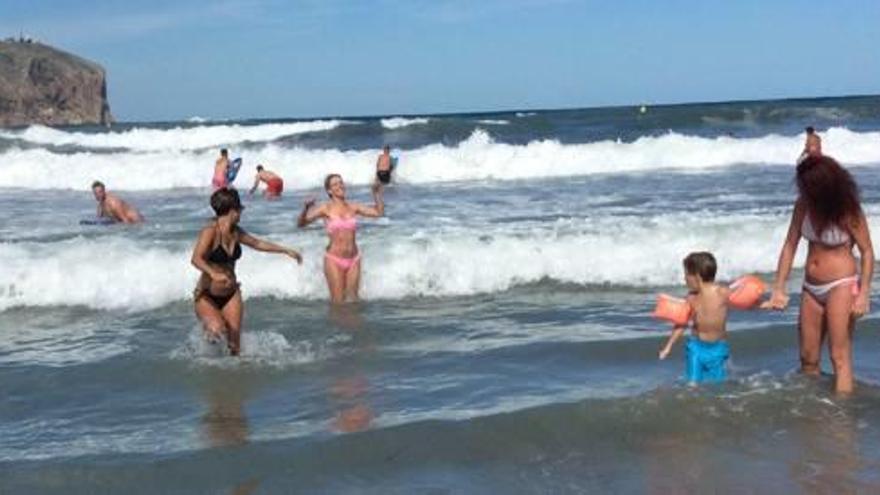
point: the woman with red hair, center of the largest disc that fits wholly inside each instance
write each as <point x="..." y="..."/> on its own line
<point x="828" y="214"/>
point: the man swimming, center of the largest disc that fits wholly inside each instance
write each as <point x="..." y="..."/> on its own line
<point x="111" y="206"/>
<point x="274" y="184"/>
<point x="384" y="165"/>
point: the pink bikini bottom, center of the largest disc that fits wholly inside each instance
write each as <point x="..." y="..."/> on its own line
<point x="344" y="263"/>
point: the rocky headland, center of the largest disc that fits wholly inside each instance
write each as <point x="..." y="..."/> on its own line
<point x="40" y="84"/>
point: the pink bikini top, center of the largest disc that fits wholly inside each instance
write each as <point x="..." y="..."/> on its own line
<point x="334" y="225"/>
<point x="832" y="235"/>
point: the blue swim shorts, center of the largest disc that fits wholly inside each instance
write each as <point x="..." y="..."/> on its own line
<point x="705" y="361"/>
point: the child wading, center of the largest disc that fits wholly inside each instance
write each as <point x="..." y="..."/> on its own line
<point x="706" y="349"/>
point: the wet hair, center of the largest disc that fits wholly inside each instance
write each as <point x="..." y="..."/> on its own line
<point x="386" y="148"/>
<point x="810" y="129"/>
<point x="224" y="152"/>
<point x="225" y="200"/>
<point x="98" y="183"/>
<point x="829" y="192"/>
<point x="327" y="182"/>
<point x="259" y="168"/>
<point x="701" y="263"/>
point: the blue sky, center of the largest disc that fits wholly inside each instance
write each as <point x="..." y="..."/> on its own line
<point x="302" y="58"/>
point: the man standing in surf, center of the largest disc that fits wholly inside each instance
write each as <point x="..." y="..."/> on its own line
<point x="111" y="206"/>
<point x="384" y="166"/>
<point x="812" y="146"/>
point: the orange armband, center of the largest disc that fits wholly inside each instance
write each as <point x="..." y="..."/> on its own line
<point x="672" y="309"/>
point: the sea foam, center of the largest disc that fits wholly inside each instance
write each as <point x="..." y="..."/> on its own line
<point x="402" y="264"/>
<point x="176" y="138"/>
<point x="398" y="122"/>
<point x="479" y="157"/>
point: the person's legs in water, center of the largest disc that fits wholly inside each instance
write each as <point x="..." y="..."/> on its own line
<point x="810" y="333"/>
<point x="838" y="316"/>
<point x="210" y="317"/>
<point x="353" y="280"/>
<point x="335" y="280"/>
<point x="232" y="313"/>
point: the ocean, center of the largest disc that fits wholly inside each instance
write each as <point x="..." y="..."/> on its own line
<point x="504" y="343"/>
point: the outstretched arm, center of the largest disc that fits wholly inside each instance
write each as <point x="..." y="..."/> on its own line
<point x="377" y="209"/>
<point x="677" y="332"/>
<point x="779" y="297"/>
<point x="310" y="212"/>
<point x="862" y="236"/>
<point x="256" y="184"/>
<point x="266" y="246"/>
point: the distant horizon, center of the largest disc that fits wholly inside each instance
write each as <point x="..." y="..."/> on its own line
<point x="494" y="112"/>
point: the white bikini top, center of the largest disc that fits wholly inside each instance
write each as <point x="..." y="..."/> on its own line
<point x="832" y="236"/>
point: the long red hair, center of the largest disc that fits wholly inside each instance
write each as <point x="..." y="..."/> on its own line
<point x="829" y="192"/>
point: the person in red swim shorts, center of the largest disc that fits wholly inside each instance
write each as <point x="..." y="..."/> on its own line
<point x="274" y="184"/>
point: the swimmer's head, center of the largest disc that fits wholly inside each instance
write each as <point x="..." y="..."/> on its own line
<point x="98" y="190"/>
<point x="334" y="186"/>
<point x="224" y="201"/>
<point x="259" y="168"/>
<point x="810" y="130"/>
<point x="386" y="149"/>
<point x="224" y="152"/>
<point x="700" y="265"/>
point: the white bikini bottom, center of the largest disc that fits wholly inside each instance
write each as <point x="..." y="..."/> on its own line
<point x="821" y="292"/>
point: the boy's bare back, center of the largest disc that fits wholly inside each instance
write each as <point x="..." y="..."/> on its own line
<point x="710" y="312"/>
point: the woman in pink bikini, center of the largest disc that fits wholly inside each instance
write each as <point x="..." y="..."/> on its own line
<point x="828" y="214"/>
<point x="342" y="260"/>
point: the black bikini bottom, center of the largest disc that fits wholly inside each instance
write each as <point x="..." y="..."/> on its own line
<point x="218" y="301"/>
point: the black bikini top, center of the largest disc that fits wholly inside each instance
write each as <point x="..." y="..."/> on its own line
<point x="221" y="257"/>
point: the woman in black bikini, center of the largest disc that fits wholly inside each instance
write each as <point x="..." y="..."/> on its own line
<point x="218" y="296"/>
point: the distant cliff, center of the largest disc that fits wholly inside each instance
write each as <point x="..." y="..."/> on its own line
<point x="43" y="85"/>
